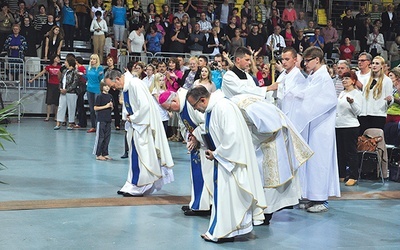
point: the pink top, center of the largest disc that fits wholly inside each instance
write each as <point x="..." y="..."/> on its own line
<point x="289" y="15"/>
<point x="172" y="84"/>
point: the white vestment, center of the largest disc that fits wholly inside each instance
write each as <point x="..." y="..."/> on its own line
<point x="201" y="173"/>
<point x="288" y="81"/>
<point x="150" y="159"/>
<point x="232" y="85"/>
<point x="238" y="194"/>
<point x="280" y="150"/>
<point x="313" y="113"/>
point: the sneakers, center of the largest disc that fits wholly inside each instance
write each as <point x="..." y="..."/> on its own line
<point x="70" y="127"/>
<point x="351" y="182"/>
<point x="318" y="208"/>
<point x="57" y="127"/>
<point x="91" y="130"/>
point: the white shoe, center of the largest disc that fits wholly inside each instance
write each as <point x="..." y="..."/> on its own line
<point x="317" y="208"/>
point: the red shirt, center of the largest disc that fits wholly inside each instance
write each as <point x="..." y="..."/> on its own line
<point x="53" y="74"/>
<point x="346" y="52"/>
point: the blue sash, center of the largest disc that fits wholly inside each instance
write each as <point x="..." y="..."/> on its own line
<point x="212" y="147"/>
<point x="128" y="106"/>
<point x="197" y="175"/>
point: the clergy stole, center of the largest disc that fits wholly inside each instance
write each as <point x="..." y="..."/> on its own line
<point x="134" y="155"/>
<point x="212" y="147"/>
<point x="197" y="175"/>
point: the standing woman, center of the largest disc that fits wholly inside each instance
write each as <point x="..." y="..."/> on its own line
<point x="115" y="93"/>
<point x="393" y="113"/>
<point x="69" y="23"/>
<point x="377" y="94"/>
<point x="205" y="80"/>
<point x="119" y="19"/>
<point x="53" y="85"/>
<point x="99" y="29"/>
<point x="68" y="83"/>
<point x="348" y="128"/>
<point x="94" y="74"/>
<point x="30" y="35"/>
<point x="135" y="42"/>
<point x="173" y="75"/>
<point x="154" y="39"/>
<point x="54" y="42"/>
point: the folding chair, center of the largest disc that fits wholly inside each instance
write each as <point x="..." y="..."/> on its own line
<point x="375" y="158"/>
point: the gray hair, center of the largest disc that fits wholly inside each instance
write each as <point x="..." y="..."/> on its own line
<point x="112" y="75"/>
<point x="344" y="62"/>
<point x="198" y="92"/>
<point x="368" y="55"/>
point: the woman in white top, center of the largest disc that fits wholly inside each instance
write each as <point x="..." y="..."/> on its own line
<point x="347" y="128"/>
<point x="99" y="28"/>
<point x="377" y="95"/>
<point x="205" y="80"/>
<point x="135" y="42"/>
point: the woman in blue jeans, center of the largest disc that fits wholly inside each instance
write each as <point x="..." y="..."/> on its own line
<point x="94" y="74"/>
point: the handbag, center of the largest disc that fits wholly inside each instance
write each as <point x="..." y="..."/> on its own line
<point x="367" y="143"/>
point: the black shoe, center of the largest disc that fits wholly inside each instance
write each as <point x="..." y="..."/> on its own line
<point x="268" y="217"/>
<point x="197" y="213"/>
<point x="132" y="195"/>
<point x="220" y="240"/>
<point x="124" y="156"/>
<point x="185" y="208"/>
<point x="120" y="192"/>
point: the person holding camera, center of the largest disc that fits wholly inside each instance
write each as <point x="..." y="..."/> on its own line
<point x="275" y="41"/>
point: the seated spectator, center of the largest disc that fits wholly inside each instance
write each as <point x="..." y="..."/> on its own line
<point x="376" y="42"/>
<point x="346" y="50"/>
<point x="289" y="14"/>
<point x="317" y="40"/>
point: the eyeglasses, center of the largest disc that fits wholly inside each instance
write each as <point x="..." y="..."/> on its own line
<point x="308" y="60"/>
<point x="194" y="104"/>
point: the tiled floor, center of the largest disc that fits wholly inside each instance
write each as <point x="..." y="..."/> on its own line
<point x="57" y="196"/>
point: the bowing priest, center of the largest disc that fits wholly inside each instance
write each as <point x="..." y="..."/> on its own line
<point x="238" y="194"/>
<point x="150" y="159"/>
<point x="280" y="151"/>
<point x="201" y="170"/>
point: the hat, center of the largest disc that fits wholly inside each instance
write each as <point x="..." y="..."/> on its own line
<point x="164" y="97"/>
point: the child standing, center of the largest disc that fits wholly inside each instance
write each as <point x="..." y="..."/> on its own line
<point x="103" y="107"/>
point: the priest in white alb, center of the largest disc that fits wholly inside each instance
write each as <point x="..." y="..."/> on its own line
<point x="150" y="160"/>
<point x="238" y="194"/>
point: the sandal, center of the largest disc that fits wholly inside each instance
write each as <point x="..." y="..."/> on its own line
<point x="46" y="120"/>
<point x="101" y="158"/>
<point x="107" y="157"/>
